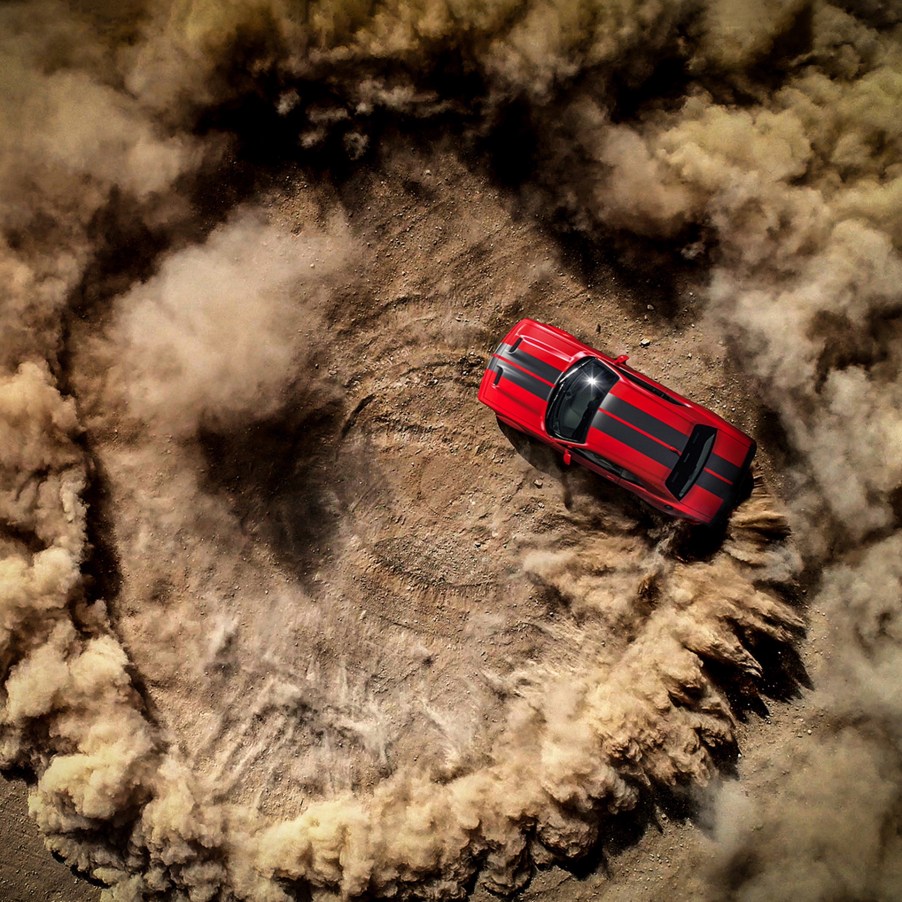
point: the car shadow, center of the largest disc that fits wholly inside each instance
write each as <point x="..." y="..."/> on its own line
<point x="574" y="477"/>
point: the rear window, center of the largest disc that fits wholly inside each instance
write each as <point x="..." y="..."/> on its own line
<point x="692" y="461"/>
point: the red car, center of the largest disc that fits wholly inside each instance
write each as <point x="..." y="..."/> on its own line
<point x="678" y="456"/>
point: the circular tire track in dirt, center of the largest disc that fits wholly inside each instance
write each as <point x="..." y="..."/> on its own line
<point x="370" y="624"/>
<point x="762" y="147"/>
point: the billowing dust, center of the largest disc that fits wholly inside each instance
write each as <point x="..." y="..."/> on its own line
<point x="283" y="610"/>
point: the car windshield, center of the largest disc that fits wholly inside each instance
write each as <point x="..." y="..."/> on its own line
<point x="693" y="459"/>
<point x="576" y="398"/>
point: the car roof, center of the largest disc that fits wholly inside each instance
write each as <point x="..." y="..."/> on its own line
<point x="640" y="431"/>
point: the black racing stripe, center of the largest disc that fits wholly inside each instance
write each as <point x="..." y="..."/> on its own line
<point x="541" y="369"/>
<point x="494" y="367"/>
<point x="599" y="420"/>
<point x="714" y="485"/>
<point x="723" y="467"/>
<point x="646" y="422"/>
<point x="526" y="381"/>
<point x="636" y="440"/>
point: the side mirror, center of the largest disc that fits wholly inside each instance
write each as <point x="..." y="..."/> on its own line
<point x="567" y="457"/>
<point x="621" y="359"/>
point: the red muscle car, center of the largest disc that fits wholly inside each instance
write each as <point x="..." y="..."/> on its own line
<point x="616" y="422"/>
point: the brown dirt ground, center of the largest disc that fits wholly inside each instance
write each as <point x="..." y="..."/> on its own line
<point x="408" y="589"/>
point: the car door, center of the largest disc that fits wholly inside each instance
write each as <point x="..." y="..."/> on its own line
<point x="597" y="464"/>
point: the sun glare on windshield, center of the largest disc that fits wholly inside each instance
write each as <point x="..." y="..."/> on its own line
<point x="576" y="397"/>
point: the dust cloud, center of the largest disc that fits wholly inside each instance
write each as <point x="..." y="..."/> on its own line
<point x="213" y="336"/>
<point x="248" y="648"/>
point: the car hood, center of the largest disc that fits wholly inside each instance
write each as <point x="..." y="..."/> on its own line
<point x="509" y="400"/>
<point x="550" y="345"/>
<point x="523" y="370"/>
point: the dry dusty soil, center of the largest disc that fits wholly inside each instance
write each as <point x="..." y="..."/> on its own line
<point x="359" y="554"/>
